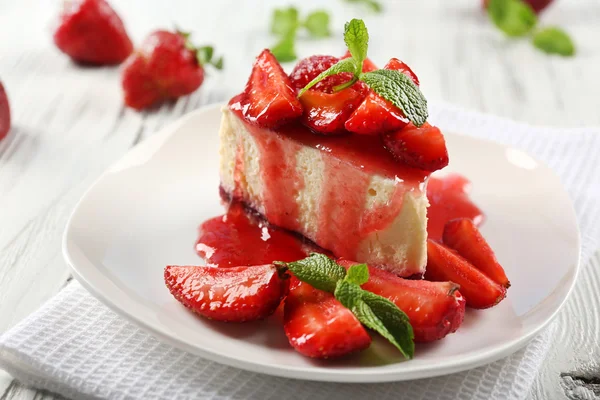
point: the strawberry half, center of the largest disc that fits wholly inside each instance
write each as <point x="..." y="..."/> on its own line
<point x="463" y="236"/>
<point x="435" y="309"/>
<point x="236" y="294"/>
<point x="4" y="113"/>
<point x="423" y="148"/>
<point x="269" y="99"/>
<point x="327" y="112"/>
<point x="444" y="264"/>
<point x="376" y="115"/>
<point x="309" y="68"/>
<point x="91" y="32"/>
<point x="319" y="326"/>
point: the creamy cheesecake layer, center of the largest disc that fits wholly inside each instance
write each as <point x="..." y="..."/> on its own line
<point x="362" y="210"/>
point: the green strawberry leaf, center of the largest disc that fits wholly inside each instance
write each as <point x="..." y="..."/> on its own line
<point x="384" y="317"/>
<point x="356" y="37"/>
<point x="357" y="274"/>
<point x="513" y="17"/>
<point x="284" y="21"/>
<point x="318" y="270"/>
<point x="401" y="91"/>
<point x="554" y="40"/>
<point x="317" y="24"/>
<point x="345" y="65"/>
<point x="204" y="54"/>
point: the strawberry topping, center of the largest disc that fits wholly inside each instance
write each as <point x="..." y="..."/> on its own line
<point x="423" y="148"/>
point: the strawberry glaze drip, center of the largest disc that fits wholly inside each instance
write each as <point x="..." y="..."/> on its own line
<point x="449" y="199"/>
<point x="238" y="239"/>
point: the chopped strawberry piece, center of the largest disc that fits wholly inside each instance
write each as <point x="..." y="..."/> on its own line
<point x="368" y="65"/>
<point x="4" y="113"/>
<point x="444" y="264"/>
<point x="319" y="326"/>
<point x="90" y="31"/>
<point x="463" y="236"/>
<point x="309" y="68"/>
<point x="236" y="294"/>
<point x="423" y="148"/>
<point x="376" y="115"/>
<point x="434" y="309"/>
<point x="326" y="113"/>
<point x="163" y="68"/>
<point x="269" y="98"/>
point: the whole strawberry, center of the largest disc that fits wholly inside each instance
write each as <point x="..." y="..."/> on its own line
<point x="4" y="113"/>
<point x="91" y="32"/>
<point x="167" y="66"/>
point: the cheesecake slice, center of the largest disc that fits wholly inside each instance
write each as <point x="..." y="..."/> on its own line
<point x="346" y="193"/>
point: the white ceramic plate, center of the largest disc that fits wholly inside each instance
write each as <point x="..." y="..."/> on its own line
<point x="143" y="213"/>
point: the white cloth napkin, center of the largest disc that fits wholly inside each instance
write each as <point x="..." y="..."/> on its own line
<point x="77" y="347"/>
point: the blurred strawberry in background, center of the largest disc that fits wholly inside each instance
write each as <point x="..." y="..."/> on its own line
<point x="536" y="5"/>
<point x="4" y="113"/>
<point x="91" y="32"/>
<point x="166" y="66"/>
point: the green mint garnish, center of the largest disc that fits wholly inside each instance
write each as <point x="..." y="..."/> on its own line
<point x="373" y="311"/>
<point x="393" y="86"/>
<point x="372" y="4"/>
<point x="286" y="22"/>
<point x="554" y="40"/>
<point x="513" y="17"/>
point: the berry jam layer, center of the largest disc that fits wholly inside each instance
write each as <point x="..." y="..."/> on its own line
<point x="345" y="193"/>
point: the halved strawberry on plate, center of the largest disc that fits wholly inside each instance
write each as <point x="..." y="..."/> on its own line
<point x="269" y="99"/>
<point x="376" y="115"/>
<point x="419" y="147"/>
<point x="236" y="294"/>
<point x="319" y="326"/>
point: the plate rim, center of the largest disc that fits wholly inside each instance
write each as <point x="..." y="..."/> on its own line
<point x="316" y="373"/>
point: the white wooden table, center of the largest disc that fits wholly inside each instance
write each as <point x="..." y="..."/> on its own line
<point x="70" y="124"/>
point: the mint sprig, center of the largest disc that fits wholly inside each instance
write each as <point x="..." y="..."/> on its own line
<point x="393" y="86"/>
<point x="286" y="23"/>
<point x="516" y="18"/>
<point x="373" y="311"/>
<point x="374" y="5"/>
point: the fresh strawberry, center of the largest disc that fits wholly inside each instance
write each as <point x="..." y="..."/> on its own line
<point x="423" y="148"/>
<point x="91" y="32"/>
<point x="269" y="98"/>
<point x="319" y="326"/>
<point x="309" y="68"/>
<point x="376" y="115"/>
<point x="326" y="113"/>
<point x="463" y="236"/>
<point x="4" y="113"/>
<point x="234" y="294"/>
<point x="165" y="67"/>
<point x="368" y="65"/>
<point x="444" y="264"/>
<point x="434" y="309"/>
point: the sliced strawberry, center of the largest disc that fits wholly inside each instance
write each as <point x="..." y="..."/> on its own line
<point x="269" y="98"/>
<point x="236" y="294"/>
<point x="4" y="113"/>
<point x="423" y="148"/>
<point x="376" y="115"/>
<point x="463" y="236"/>
<point x="444" y="264"/>
<point x="326" y="113"/>
<point x="435" y="309"/>
<point x="368" y="65"/>
<point x="319" y="326"/>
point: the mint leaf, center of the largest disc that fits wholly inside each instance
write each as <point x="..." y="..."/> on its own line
<point x="317" y="24"/>
<point x="284" y="21"/>
<point x="554" y="40"/>
<point x="357" y="274"/>
<point x="356" y="37"/>
<point x="285" y="49"/>
<point x="401" y="91"/>
<point x="318" y="270"/>
<point x="345" y="65"/>
<point x="372" y="4"/>
<point x="384" y="317"/>
<point x="347" y="293"/>
<point x="513" y="17"/>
